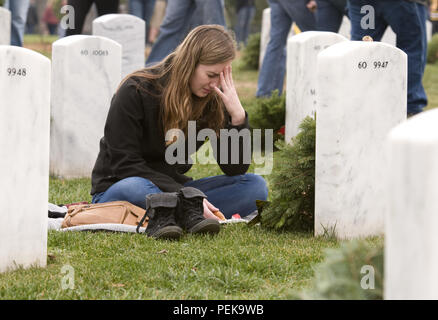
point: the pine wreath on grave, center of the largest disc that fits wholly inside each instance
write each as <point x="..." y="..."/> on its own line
<point x="269" y="113"/>
<point x="292" y="183"/>
<point x="353" y="271"/>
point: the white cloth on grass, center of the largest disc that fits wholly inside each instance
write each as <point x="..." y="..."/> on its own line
<point x="56" y="223"/>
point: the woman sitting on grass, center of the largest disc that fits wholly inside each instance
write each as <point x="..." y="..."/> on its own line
<point x="194" y="83"/>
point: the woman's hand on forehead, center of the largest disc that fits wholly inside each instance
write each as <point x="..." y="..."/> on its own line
<point x="229" y="96"/>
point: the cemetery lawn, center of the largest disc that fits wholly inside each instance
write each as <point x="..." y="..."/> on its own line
<point x="239" y="263"/>
<point x="430" y="82"/>
<point x="40" y="43"/>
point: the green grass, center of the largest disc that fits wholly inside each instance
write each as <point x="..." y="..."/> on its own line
<point x="239" y="263"/>
<point x="40" y="43"/>
<point x="64" y="191"/>
<point x="430" y="82"/>
<point x="39" y="38"/>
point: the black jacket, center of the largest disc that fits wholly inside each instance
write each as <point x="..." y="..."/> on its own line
<point x="134" y="145"/>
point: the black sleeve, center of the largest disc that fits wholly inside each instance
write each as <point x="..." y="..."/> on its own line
<point x="124" y="136"/>
<point x="238" y="144"/>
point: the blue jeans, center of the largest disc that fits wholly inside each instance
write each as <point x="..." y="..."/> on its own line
<point x="231" y="194"/>
<point x="144" y="10"/>
<point x="177" y="22"/>
<point x="283" y="14"/>
<point x="330" y="14"/>
<point x="243" y="24"/>
<point x="18" y="10"/>
<point x="408" y="20"/>
<point x="200" y="13"/>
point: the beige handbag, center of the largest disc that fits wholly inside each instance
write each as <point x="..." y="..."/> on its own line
<point x="120" y="212"/>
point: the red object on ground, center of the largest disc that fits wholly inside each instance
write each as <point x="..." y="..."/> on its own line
<point x="281" y="131"/>
<point x="76" y="203"/>
<point x="236" y="216"/>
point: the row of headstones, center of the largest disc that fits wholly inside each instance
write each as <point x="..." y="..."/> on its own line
<point x="127" y="30"/>
<point x="388" y="37"/>
<point x="375" y="172"/>
<point x="86" y="71"/>
<point x="62" y="103"/>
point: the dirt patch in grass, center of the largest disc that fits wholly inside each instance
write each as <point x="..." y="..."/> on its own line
<point x="43" y="48"/>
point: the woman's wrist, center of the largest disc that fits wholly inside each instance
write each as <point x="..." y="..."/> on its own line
<point x="238" y="118"/>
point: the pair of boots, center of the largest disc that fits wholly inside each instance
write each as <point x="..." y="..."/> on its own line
<point x="171" y="213"/>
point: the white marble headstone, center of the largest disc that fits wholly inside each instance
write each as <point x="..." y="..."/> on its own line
<point x="86" y="71"/>
<point x="302" y="52"/>
<point x="389" y="37"/>
<point x="345" y="28"/>
<point x="24" y="145"/>
<point x="5" y="26"/>
<point x="429" y="28"/>
<point x="129" y="31"/>
<point x="264" y="36"/>
<point x="411" y="237"/>
<point x="362" y="95"/>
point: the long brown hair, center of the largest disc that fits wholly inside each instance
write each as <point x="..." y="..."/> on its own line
<point x="206" y="44"/>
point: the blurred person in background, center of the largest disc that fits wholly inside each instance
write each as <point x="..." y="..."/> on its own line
<point x="81" y="8"/>
<point x="144" y="10"/>
<point x="181" y="16"/>
<point x="157" y="18"/>
<point x="283" y="14"/>
<point x="32" y="18"/>
<point x="329" y="14"/>
<point x="18" y="10"/>
<point x="50" y="18"/>
<point x="245" y="11"/>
